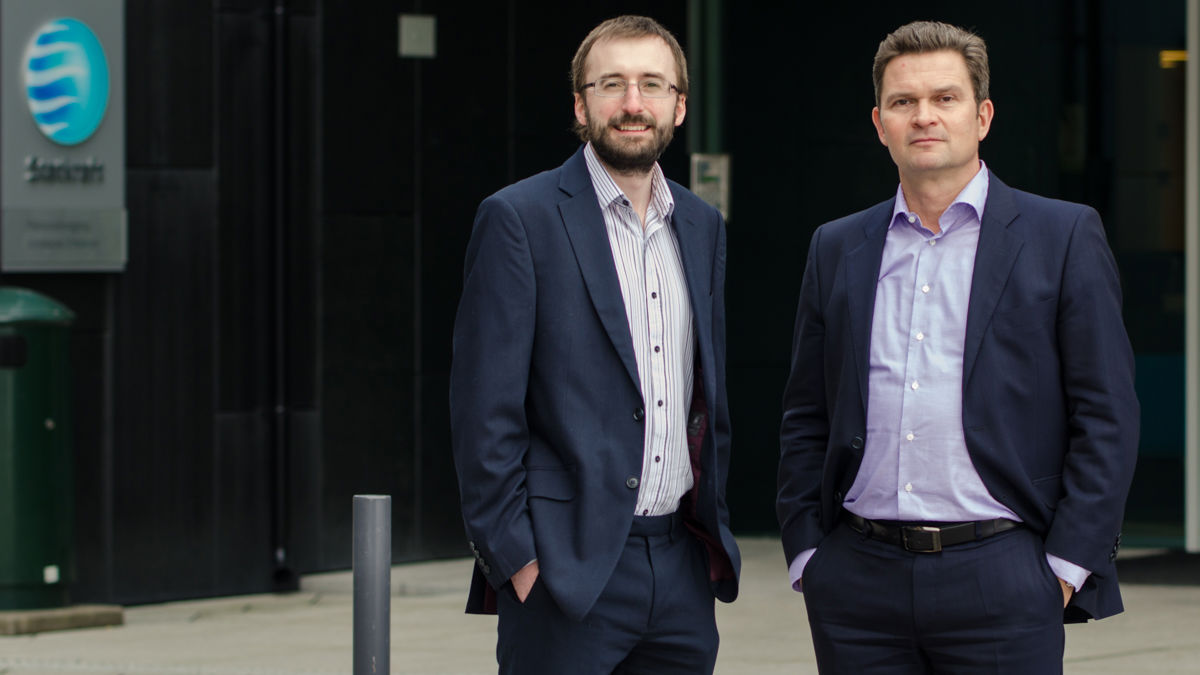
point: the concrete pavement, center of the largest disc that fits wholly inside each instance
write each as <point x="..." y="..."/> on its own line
<point x="765" y="632"/>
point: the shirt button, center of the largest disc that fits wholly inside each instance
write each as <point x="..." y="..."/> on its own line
<point x="933" y="242"/>
<point x="910" y="436"/>
<point x="654" y="295"/>
<point x="660" y="404"/>
<point x="645" y="512"/>
<point x="908" y="487"/>
<point x="658" y="458"/>
<point x="912" y="219"/>
<point x="925" y="288"/>
<point x="916" y="385"/>
<point x="631" y="482"/>
<point x="920" y="336"/>
<point x="657" y="349"/>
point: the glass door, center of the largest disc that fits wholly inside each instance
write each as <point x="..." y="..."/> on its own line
<point x="1136" y="84"/>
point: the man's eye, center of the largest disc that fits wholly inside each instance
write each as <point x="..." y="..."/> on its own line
<point x="652" y="86"/>
<point x="900" y="102"/>
<point x="612" y="85"/>
<point x="947" y="98"/>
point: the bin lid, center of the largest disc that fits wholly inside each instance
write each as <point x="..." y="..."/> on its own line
<point x="21" y="305"/>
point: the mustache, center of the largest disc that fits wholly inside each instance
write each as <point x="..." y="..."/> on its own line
<point x="633" y="119"/>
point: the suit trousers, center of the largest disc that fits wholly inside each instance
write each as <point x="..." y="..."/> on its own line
<point x="656" y="615"/>
<point x="987" y="606"/>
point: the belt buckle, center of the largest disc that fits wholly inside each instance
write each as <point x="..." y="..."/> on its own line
<point x="921" y="539"/>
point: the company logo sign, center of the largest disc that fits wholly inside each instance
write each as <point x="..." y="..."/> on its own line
<point x="66" y="80"/>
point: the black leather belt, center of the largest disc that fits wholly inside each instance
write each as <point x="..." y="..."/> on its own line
<point x="927" y="538"/>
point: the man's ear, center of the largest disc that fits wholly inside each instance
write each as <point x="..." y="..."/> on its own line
<point x="878" y="125"/>
<point x="580" y="109"/>
<point x="987" y="110"/>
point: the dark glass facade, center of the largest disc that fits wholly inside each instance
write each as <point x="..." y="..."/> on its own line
<point x="300" y="198"/>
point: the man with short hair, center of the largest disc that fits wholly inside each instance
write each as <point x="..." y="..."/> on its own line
<point x="587" y="393"/>
<point x="960" y="424"/>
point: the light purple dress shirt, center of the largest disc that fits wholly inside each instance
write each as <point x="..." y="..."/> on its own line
<point x="915" y="463"/>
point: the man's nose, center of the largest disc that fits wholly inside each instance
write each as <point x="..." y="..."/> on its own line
<point x="632" y="101"/>
<point x="923" y="114"/>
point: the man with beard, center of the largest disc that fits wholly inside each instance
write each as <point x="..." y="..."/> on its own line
<point x="587" y="393"/>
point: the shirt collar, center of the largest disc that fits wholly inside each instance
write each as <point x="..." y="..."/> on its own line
<point x="607" y="191"/>
<point x="974" y="195"/>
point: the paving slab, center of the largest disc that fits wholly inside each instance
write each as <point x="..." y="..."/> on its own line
<point x="310" y="632"/>
<point x="22" y="622"/>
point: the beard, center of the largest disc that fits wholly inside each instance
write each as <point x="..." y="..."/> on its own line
<point x="628" y="155"/>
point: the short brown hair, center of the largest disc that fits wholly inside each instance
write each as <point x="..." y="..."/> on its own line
<point x="624" y="28"/>
<point x="920" y="37"/>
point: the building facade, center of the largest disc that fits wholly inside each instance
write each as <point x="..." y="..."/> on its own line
<point x="299" y="194"/>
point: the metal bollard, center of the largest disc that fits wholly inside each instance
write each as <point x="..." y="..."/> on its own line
<point x="372" y="583"/>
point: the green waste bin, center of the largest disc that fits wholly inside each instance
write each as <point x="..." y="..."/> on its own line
<point x="36" y="467"/>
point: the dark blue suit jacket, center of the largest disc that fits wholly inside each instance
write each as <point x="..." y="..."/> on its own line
<point x="1049" y="410"/>
<point x="545" y="403"/>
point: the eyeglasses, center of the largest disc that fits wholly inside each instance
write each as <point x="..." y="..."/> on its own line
<point x="615" y="87"/>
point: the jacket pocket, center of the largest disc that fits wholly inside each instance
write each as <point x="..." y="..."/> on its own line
<point x="556" y="484"/>
<point x="1049" y="489"/>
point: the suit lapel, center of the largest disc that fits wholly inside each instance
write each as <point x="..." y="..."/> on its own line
<point x="584" y="223"/>
<point x="994" y="258"/>
<point x="861" y="270"/>
<point x="696" y="240"/>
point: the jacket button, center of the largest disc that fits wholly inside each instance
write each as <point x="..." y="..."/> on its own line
<point x="857" y="443"/>
<point x="638" y="414"/>
<point x="632" y="482"/>
<point x="837" y="499"/>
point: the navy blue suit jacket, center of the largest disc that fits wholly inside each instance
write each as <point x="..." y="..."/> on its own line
<point x="545" y="403"/>
<point x="1049" y="410"/>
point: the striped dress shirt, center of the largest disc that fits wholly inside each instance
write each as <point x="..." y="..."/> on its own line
<point x="659" y="312"/>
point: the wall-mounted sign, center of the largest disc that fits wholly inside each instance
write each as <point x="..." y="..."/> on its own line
<point x="62" y="135"/>
<point x="418" y="36"/>
<point x="66" y="80"/>
<point x="710" y="180"/>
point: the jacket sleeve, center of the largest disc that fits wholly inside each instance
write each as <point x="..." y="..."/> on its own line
<point x="720" y="420"/>
<point x="804" y="432"/>
<point x="493" y="341"/>
<point x="1102" y="407"/>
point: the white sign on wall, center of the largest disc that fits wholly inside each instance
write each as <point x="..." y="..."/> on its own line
<point x="710" y="180"/>
<point x="62" y="135"/>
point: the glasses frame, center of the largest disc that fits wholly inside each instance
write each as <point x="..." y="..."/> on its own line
<point x="635" y="83"/>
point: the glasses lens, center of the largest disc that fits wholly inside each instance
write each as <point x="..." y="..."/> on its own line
<point x="610" y="87"/>
<point x="654" y="87"/>
<point x="650" y="87"/>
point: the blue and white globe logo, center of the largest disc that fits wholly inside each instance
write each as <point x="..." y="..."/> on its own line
<point x="66" y="78"/>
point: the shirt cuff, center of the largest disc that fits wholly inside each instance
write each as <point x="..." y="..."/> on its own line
<point x="522" y="568"/>
<point x="796" y="569"/>
<point x="1068" y="571"/>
